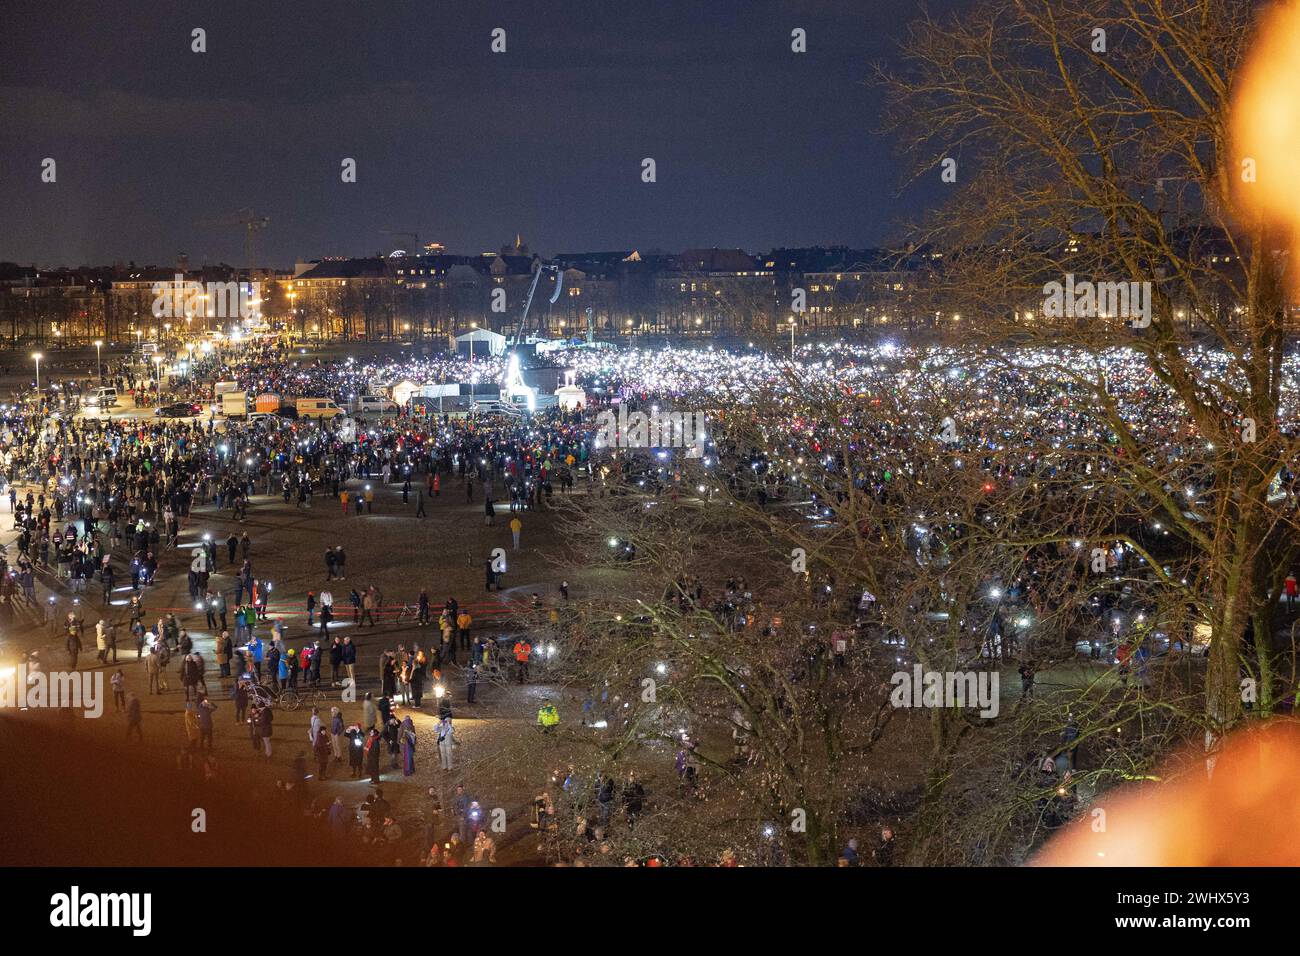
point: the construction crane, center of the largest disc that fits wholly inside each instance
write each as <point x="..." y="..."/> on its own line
<point x="528" y="303"/>
<point x="512" y="381"/>
<point x="251" y="222"/>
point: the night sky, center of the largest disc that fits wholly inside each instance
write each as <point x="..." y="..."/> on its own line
<point x="756" y="146"/>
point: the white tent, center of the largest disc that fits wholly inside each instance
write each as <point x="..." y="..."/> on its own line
<point x="482" y="340"/>
<point x="401" y="392"/>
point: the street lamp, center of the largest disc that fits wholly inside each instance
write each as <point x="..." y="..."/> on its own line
<point x="157" y="374"/>
<point x="99" y="367"/>
<point x="37" y="356"/>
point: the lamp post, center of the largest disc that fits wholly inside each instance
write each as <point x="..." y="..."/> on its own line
<point x="157" y="375"/>
<point x="37" y="356"/>
<point x="99" y="367"/>
<point x="473" y="328"/>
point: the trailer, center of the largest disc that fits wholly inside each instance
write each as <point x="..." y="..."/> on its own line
<point x="267" y="403"/>
<point x="234" y="404"/>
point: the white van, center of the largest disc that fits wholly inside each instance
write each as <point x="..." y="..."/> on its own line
<point x="373" y="405"/>
<point x="102" y="397"/>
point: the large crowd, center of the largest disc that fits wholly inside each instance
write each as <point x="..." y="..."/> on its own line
<point x="96" y="500"/>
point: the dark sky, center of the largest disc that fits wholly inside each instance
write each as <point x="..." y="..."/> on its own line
<point x="755" y="146"/>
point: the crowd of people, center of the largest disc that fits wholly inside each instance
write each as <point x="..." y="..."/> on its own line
<point x="98" y="502"/>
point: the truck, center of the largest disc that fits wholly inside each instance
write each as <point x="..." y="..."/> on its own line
<point x="234" y="404"/>
<point x="317" y="408"/>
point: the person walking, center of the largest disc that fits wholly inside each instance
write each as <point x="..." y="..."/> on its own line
<point x="118" y="682"/>
<point x="264" y="722"/>
<point x="523" y="653"/>
<point x="516" y="527"/>
<point x="153" y="670"/>
<point x="133" y="724"/>
<point x="74" y="646"/>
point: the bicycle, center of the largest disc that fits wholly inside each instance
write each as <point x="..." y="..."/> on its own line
<point x="292" y="698"/>
<point x="259" y="696"/>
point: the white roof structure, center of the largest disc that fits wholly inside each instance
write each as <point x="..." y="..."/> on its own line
<point x="496" y="343"/>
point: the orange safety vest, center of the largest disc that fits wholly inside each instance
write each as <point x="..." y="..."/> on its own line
<point x="523" y="651"/>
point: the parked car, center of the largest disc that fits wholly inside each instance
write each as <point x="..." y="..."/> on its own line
<point x="178" y="410"/>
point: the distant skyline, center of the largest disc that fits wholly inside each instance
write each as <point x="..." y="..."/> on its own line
<point x="756" y="146"/>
